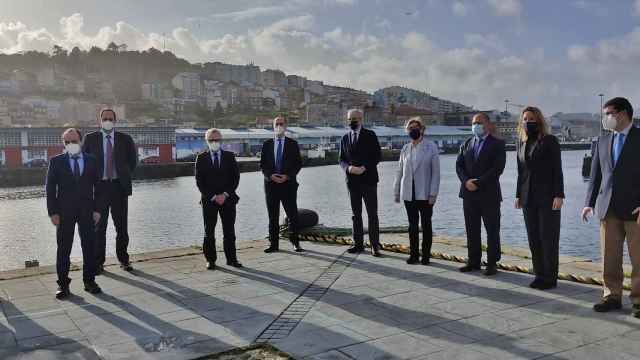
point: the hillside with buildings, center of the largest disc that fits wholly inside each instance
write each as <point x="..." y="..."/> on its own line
<point x="155" y="88"/>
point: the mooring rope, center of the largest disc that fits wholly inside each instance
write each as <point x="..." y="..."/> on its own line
<point x="404" y="249"/>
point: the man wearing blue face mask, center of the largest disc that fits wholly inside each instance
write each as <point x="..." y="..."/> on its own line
<point x="479" y="165"/>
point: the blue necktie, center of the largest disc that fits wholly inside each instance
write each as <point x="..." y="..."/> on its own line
<point x="617" y="150"/>
<point x="279" y="157"/>
<point x="216" y="163"/>
<point x="76" y="167"/>
<point x="476" y="150"/>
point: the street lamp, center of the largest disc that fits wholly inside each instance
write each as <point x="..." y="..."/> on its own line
<point x="506" y="105"/>
<point x="601" y="114"/>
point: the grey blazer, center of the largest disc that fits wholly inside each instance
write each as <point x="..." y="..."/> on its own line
<point x="425" y="170"/>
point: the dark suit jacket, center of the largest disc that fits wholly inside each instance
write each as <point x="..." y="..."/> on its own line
<point x="616" y="187"/>
<point x="65" y="195"/>
<point x="366" y="152"/>
<point x="540" y="177"/>
<point x="292" y="160"/>
<point x="487" y="169"/>
<point x="213" y="181"/>
<point x="124" y="153"/>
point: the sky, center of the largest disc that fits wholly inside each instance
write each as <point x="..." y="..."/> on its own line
<point x="555" y="54"/>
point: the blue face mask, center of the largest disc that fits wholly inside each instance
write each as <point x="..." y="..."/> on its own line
<point x="477" y="129"/>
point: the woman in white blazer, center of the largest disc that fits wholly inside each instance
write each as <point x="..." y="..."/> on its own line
<point x="417" y="183"/>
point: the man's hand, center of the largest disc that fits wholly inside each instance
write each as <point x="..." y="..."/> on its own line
<point x="55" y="219"/>
<point x="471" y="185"/>
<point x="284" y="177"/>
<point x="396" y="199"/>
<point x="432" y="200"/>
<point x="96" y="218"/>
<point x="356" y="170"/>
<point x="637" y="212"/>
<point x="276" y="179"/>
<point x="588" y="211"/>
<point x="557" y="203"/>
<point x="220" y="199"/>
<point x="517" y="204"/>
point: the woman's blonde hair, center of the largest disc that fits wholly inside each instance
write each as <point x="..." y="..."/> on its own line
<point x="543" y="127"/>
<point x="415" y="120"/>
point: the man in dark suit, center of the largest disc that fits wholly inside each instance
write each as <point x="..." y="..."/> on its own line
<point x="71" y="180"/>
<point x="359" y="157"/>
<point x="117" y="157"/>
<point x="217" y="177"/>
<point x="479" y="165"/>
<point x="614" y="193"/>
<point x="281" y="162"/>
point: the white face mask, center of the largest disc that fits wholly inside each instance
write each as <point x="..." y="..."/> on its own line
<point x="279" y="130"/>
<point x="73" y="149"/>
<point x="478" y="130"/>
<point x="107" y="125"/>
<point x="609" y="122"/>
<point x="214" y="146"/>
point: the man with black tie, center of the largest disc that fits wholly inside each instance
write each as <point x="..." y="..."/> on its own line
<point x="281" y="162"/>
<point x="117" y="157"/>
<point x="479" y="165"/>
<point x="71" y="180"/>
<point x="217" y="177"/>
<point x="359" y="157"/>
<point x="614" y="193"/>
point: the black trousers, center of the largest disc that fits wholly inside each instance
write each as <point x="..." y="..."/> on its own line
<point x="113" y="198"/>
<point x="368" y="194"/>
<point x="64" y="237"/>
<point x="287" y="194"/>
<point x="227" y="211"/>
<point x="419" y="211"/>
<point x="543" y="230"/>
<point x="477" y="212"/>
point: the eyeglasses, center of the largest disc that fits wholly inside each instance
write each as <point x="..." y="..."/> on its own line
<point x="611" y="113"/>
<point x="212" y="140"/>
<point x="71" y="142"/>
<point x="354" y="119"/>
<point x="108" y="119"/>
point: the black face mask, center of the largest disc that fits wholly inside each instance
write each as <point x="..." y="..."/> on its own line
<point x="414" y="134"/>
<point x="532" y="129"/>
<point x="354" y="124"/>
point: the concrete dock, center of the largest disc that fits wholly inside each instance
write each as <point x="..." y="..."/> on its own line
<point x="321" y="304"/>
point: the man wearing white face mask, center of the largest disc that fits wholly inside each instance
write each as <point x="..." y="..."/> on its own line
<point x="71" y="181"/>
<point x="614" y="194"/>
<point x="280" y="163"/>
<point x="117" y="157"/>
<point x="217" y="177"/>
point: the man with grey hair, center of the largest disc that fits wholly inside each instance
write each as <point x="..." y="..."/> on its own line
<point x="217" y="177"/>
<point x="359" y="157"/>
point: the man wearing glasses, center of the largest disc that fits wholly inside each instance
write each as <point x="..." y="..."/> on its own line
<point x="117" y="157"/>
<point x="217" y="178"/>
<point x="614" y="195"/>
<point x="359" y="157"/>
<point x="71" y="181"/>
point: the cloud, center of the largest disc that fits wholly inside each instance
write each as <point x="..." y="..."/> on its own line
<point x="459" y="8"/>
<point x="480" y="72"/>
<point x="506" y="7"/>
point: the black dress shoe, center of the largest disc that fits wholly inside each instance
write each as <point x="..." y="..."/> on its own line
<point x="469" y="268"/>
<point x="376" y="253"/>
<point x="63" y="292"/>
<point x="297" y="248"/>
<point x="211" y="266"/>
<point x="235" y="264"/>
<point x="355" y="250"/>
<point x="546" y="285"/>
<point x="126" y="267"/>
<point x="99" y="269"/>
<point x="608" y="304"/>
<point x="635" y="310"/>
<point x="412" y="261"/>
<point x="271" y="249"/>
<point x="536" y="283"/>
<point x="91" y="287"/>
<point x="425" y="261"/>
<point x="490" y="270"/>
